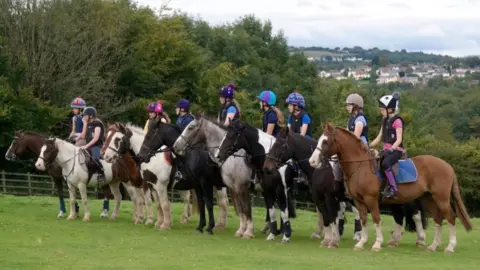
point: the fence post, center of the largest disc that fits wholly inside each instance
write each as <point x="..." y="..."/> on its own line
<point x="4" y="182"/>
<point x="29" y="184"/>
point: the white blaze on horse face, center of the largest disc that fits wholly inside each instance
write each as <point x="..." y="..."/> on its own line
<point x="112" y="151"/>
<point x="315" y="158"/>
<point x="180" y="143"/>
<point x="40" y="164"/>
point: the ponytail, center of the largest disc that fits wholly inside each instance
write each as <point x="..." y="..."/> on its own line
<point x="280" y="116"/>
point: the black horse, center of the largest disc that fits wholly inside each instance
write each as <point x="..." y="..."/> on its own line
<point x="327" y="192"/>
<point x="202" y="174"/>
<point x="256" y="143"/>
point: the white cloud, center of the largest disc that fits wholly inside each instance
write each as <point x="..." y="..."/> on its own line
<point x="439" y="26"/>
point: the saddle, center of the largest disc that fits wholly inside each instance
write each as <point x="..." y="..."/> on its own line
<point x="395" y="166"/>
<point x="91" y="164"/>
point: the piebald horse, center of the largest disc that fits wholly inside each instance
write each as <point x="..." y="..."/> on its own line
<point x="26" y="141"/>
<point x="73" y="161"/>
<point x="275" y="186"/>
<point x="156" y="173"/>
<point x="424" y="175"/>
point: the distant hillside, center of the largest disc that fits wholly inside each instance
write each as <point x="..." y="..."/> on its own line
<point x="357" y="53"/>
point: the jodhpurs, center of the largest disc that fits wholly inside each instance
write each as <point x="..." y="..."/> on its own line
<point x="390" y="158"/>
<point x="81" y="142"/>
<point x="96" y="155"/>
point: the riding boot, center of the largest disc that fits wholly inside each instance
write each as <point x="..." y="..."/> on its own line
<point x="101" y="174"/>
<point x="179" y="176"/>
<point x="392" y="191"/>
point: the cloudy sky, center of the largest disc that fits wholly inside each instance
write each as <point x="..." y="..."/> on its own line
<point x="440" y="26"/>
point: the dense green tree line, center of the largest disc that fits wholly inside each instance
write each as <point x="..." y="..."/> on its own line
<point x="119" y="57"/>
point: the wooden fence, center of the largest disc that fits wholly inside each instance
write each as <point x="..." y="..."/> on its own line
<point x="28" y="184"/>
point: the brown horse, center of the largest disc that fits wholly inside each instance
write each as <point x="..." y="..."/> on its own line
<point x="25" y="141"/>
<point x="127" y="169"/>
<point x="434" y="178"/>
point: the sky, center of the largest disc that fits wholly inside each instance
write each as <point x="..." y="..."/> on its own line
<point x="449" y="27"/>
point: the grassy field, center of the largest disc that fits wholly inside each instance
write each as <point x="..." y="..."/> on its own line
<point x="31" y="237"/>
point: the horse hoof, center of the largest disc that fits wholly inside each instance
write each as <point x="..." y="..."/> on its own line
<point x="164" y="227"/>
<point x="333" y="246"/>
<point x="448" y="251"/>
<point x="86" y="219"/>
<point x="247" y="236"/>
<point x="70" y="218"/>
<point x="420" y="245"/>
<point x="392" y="244"/>
<point x="220" y="226"/>
<point x="239" y="234"/>
<point x="375" y="249"/>
<point x="149" y="222"/>
<point x="285" y="240"/>
<point x="184" y="221"/>
<point x="315" y="236"/>
<point x="358" y="249"/>
<point x="199" y="230"/>
<point x="210" y="232"/>
<point x="270" y="237"/>
<point x="431" y="249"/>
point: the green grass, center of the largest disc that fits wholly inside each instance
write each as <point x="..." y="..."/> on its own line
<point x="31" y="237"/>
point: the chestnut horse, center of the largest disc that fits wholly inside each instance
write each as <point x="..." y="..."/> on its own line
<point x="127" y="171"/>
<point x="423" y="175"/>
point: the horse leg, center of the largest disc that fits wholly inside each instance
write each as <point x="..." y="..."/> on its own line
<point x="247" y="210"/>
<point x="201" y="208"/>
<point x="72" y="190"/>
<point x="447" y="212"/>
<point x="363" y="211"/>
<point x="115" y="188"/>
<point x="83" y="193"/>
<point x="372" y="204"/>
<point x="266" y="228"/>
<point x="282" y="204"/>
<point x="318" y="232"/>
<point x="340" y="220"/>
<point x="165" y="206"/>
<point x="208" y="198"/>
<point x="333" y="208"/>
<point x="148" y="205"/>
<point x="357" y="230"/>
<point x="398" y="215"/>
<point x="222" y="201"/>
<point x="159" y="222"/>
<point x="185" y="196"/>
<point x="270" y="200"/>
<point x="59" y="185"/>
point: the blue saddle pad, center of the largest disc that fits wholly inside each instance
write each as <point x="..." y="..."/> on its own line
<point x="407" y="172"/>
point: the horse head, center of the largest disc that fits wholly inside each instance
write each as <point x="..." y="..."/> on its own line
<point x="233" y="141"/>
<point x="48" y="153"/>
<point x="191" y="135"/>
<point x="280" y="152"/>
<point x="327" y="146"/>
<point x="117" y="142"/>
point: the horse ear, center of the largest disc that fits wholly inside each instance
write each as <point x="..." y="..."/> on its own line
<point x="128" y="133"/>
<point x="328" y="126"/>
<point x="198" y="115"/>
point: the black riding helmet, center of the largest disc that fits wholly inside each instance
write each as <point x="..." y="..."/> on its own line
<point x="90" y="111"/>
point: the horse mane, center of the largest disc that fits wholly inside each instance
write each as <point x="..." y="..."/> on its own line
<point x="214" y="121"/>
<point x="31" y="133"/>
<point x="135" y="129"/>
<point x="354" y="137"/>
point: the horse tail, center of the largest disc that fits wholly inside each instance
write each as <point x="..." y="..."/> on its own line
<point x="195" y="209"/>
<point x="460" y="208"/>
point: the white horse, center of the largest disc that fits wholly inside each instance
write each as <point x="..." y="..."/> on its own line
<point x="156" y="172"/>
<point x="73" y="162"/>
<point x="236" y="173"/>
